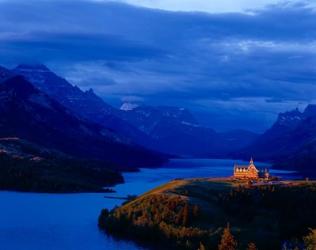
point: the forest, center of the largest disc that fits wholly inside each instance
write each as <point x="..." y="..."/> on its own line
<point x="219" y="214"/>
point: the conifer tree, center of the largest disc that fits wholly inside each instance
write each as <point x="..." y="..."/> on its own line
<point x="310" y="241"/>
<point x="185" y="215"/>
<point x="228" y="241"/>
<point x="195" y="210"/>
<point x="251" y="246"/>
<point x="201" y="247"/>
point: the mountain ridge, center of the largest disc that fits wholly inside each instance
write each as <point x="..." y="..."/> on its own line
<point x="48" y="123"/>
<point x="166" y="129"/>
<point x="85" y="104"/>
<point x="177" y="131"/>
<point x="290" y="142"/>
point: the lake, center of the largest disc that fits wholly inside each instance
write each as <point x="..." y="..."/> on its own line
<point x="69" y="221"/>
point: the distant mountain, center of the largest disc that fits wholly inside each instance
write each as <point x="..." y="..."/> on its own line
<point x="291" y="131"/>
<point x="146" y="118"/>
<point x="234" y="140"/>
<point x="25" y="166"/>
<point x="279" y="140"/>
<point x="28" y="113"/>
<point x="177" y="131"/>
<point x="85" y="105"/>
<point x="290" y="142"/>
<point x="171" y="130"/>
<point x="5" y="74"/>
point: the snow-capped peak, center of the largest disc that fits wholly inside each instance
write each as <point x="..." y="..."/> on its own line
<point x="127" y="106"/>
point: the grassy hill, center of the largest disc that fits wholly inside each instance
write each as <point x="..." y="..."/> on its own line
<point x="184" y="213"/>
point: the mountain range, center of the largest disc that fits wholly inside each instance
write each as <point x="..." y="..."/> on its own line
<point x="170" y="130"/>
<point x="42" y="112"/>
<point x="177" y="131"/>
<point x="83" y="155"/>
<point x="28" y="113"/>
<point x="84" y="104"/>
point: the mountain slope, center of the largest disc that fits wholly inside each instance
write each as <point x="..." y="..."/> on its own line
<point x="5" y="73"/>
<point x="280" y="139"/>
<point x="85" y="105"/>
<point x="28" y="113"/>
<point x="290" y="142"/>
<point x="291" y="131"/>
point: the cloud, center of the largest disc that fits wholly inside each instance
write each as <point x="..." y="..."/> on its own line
<point x="219" y="64"/>
<point x="214" y="6"/>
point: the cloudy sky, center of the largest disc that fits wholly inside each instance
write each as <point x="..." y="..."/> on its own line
<point x="234" y="63"/>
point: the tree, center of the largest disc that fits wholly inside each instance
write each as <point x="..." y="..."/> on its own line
<point x="228" y="241"/>
<point x="185" y="215"/>
<point x="195" y="210"/>
<point x="310" y="240"/>
<point x="251" y="246"/>
<point x="103" y="217"/>
<point x="201" y="247"/>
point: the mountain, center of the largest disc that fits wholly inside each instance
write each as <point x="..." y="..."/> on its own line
<point x="279" y="140"/>
<point x="86" y="105"/>
<point x="25" y="166"/>
<point x="234" y="140"/>
<point x="28" y="113"/>
<point x="170" y="130"/>
<point x="177" y="131"/>
<point x="5" y="73"/>
<point x="146" y="118"/>
<point x="302" y="160"/>
<point x="290" y="142"/>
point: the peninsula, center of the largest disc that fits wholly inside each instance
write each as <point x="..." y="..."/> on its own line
<point x="204" y="213"/>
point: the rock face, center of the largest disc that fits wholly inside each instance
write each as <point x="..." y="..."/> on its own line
<point x="28" y="113"/>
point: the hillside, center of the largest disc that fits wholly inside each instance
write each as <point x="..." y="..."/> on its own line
<point x="30" y="114"/>
<point x="25" y="166"/>
<point x="183" y="214"/>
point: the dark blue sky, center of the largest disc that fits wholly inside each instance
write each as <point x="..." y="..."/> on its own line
<point x="236" y="65"/>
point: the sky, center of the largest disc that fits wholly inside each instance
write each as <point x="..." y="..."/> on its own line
<point x="233" y="63"/>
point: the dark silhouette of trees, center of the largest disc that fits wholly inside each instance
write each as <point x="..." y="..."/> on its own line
<point x="103" y="217"/>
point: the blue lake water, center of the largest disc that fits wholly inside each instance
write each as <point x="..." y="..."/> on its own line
<point x="31" y="221"/>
